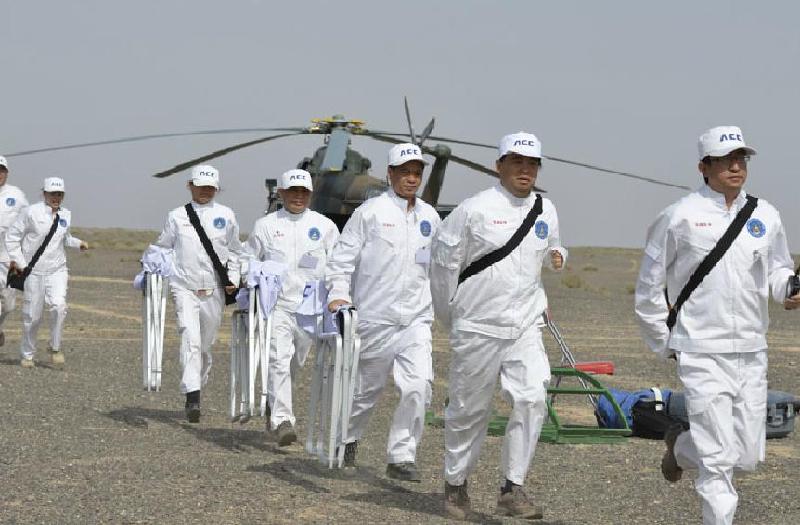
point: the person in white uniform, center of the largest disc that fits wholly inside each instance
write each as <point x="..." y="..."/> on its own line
<point x="46" y="284"/>
<point x="196" y="289"/>
<point x="494" y="318"/>
<point x="719" y="335"/>
<point x="12" y="201"/>
<point x="380" y="264"/>
<point x="301" y="239"/>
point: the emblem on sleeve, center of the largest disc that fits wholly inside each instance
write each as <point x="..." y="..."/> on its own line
<point x="219" y="223"/>
<point x="11" y="201"/>
<point x="425" y="228"/>
<point x="756" y="228"/>
<point x="541" y="229"/>
<point x="62" y="222"/>
<point x="313" y="233"/>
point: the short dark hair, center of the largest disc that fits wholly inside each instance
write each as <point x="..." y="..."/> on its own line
<point x="538" y="159"/>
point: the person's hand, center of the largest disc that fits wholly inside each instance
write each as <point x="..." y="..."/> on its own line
<point x="556" y="259"/>
<point x="792" y="302"/>
<point x="230" y="289"/>
<point x="84" y="246"/>
<point x="335" y="305"/>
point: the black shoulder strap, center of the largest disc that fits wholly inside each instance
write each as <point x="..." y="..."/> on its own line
<point x="206" y="242"/>
<point x="712" y="258"/>
<point x="500" y="253"/>
<point x="40" y="250"/>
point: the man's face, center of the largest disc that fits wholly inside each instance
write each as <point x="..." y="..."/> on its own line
<point x="295" y="199"/>
<point x="726" y="174"/>
<point x="53" y="198"/>
<point x="3" y="175"/>
<point x="202" y="194"/>
<point x="518" y="173"/>
<point x="406" y="178"/>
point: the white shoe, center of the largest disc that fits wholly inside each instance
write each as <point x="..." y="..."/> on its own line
<point x="56" y="357"/>
<point x="26" y="363"/>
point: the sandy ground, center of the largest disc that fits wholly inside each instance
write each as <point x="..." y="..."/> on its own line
<point x="86" y="444"/>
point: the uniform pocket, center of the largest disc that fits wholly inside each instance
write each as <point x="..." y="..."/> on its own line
<point x="755" y="278"/>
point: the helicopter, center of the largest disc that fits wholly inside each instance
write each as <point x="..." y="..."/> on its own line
<point x="340" y="174"/>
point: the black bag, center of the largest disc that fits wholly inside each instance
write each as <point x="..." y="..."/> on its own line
<point x="222" y="273"/>
<point x="651" y="420"/>
<point x="501" y="253"/>
<point x="16" y="279"/>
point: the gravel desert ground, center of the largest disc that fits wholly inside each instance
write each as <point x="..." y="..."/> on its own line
<point x="86" y="444"/>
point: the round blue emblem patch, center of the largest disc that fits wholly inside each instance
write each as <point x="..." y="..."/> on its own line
<point x="756" y="228"/>
<point x="219" y="223"/>
<point x="62" y="222"/>
<point x="541" y="229"/>
<point x="425" y="228"/>
<point x="11" y="201"/>
<point x="313" y="233"/>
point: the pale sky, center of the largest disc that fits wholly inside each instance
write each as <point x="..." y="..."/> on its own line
<point x="627" y="85"/>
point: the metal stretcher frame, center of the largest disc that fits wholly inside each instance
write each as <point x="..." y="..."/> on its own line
<point x="332" y="390"/>
<point x="154" y="306"/>
<point x="250" y="341"/>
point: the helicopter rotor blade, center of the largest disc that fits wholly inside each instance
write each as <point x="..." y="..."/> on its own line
<point x="563" y="161"/>
<point x="219" y="153"/>
<point x="336" y="150"/>
<point x="427" y="131"/>
<point x="408" y="119"/>
<point x="139" y="138"/>
<point x="615" y="172"/>
<point x="472" y="165"/>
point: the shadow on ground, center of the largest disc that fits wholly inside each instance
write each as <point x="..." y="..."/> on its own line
<point x="231" y="439"/>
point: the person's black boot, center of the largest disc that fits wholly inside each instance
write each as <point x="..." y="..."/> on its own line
<point x="193" y="406"/>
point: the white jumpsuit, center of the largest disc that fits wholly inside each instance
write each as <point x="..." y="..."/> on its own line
<point x="494" y="319"/>
<point x="47" y="283"/>
<point x="720" y="333"/>
<point x="380" y="264"/>
<point x="302" y="242"/>
<point x="12" y="201"/>
<point x="199" y="296"/>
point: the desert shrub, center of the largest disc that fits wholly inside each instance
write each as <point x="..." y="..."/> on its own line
<point x="572" y="281"/>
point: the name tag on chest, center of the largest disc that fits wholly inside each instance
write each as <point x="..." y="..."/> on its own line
<point x="423" y="255"/>
<point x="308" y="261"/>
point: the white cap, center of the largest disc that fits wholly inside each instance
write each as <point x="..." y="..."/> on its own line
<point x="522" y="143"/>
<point x="205" y="175"/>
<point x="3" y="162"/>
<point x="53" y="184"/>
<point x="402" y="153"/>
<point x="719" y="141"/>
<point x="292" y="178"/>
